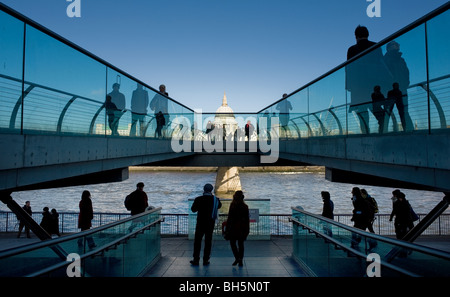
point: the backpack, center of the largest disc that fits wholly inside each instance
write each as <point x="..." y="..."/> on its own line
<point x="127" y="202"/>
<point x="372" y="204"/>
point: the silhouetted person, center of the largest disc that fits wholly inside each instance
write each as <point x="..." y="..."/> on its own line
<point x="160" y="103"/>
<point x="399" y="73"/>
<point x="27" y="208"/>
<point x="360" y="216"/>
<point x="362" y="74"/>
<point x="401" y="210"/>
<point x="209" y="129"/>
<point x="139" y="103"/>
<point x="117" y="97"/>
<point x="206" y="207"/>
<point x="238" y="226"/>
<point x="137" y="201"/>
<point x="269" y="122"/>
<point x="284" y="107"/>
<point x="371" y="210"/>
<point x="113" y="115"/>
<point x="46" y="222"/>
<point x="85" y="217"/>
<point x="54" y="229"/>
<point x="378" y="101"/>
<point x="328" y="205"/>
<point x="327" y="211"/>
<point x="160" y="122"/>
<point x="249" y="128"/>
<point x="396" y="97"/>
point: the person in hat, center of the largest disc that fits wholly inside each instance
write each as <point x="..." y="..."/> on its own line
<point x="206" y="207"/>
<point x="137" y="201"/>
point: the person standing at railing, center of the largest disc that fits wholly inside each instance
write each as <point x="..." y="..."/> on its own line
<point x="238" y="226"/>
<point x="378" y="103"/>
<point x="85" y="217"/>
<point x="362" y="75"/>
<point x="46" y="222"/>
<point x="400" y="81"/>
<point x="206" y="207"/>
<point x="118" y="99"/>
<point x="139" y="103"/>
<point x="137" y="201"/>
<point x="55" y="223"/>
<point x="284" y="107"/>
<point x="160" y="104"/>
<point x="112" y="112"/>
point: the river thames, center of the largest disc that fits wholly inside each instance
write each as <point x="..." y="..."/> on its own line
<point x="171" y="189"/>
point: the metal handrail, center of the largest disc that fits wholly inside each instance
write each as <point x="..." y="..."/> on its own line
<point x="351" y="250"/>
<point x="96" y="251"/>
<point x="405" y="244"/>
<point x="38" y="245"/>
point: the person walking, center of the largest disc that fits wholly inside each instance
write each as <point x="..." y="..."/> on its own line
<point x="137" y="201"/>
<point x="327" y="211"/>
<point x="27" y="208"/>
<point x="328" y="205"/>
<point x="206" y="207"/>
<point x="402" y="211"/>
<point x="238" y="226"/>
<point x="360" y="216"/>
<point x="372" y="209"/>
<point x="85" y="217"/>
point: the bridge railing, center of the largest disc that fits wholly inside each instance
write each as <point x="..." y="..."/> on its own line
<point x="330" y="248"/>
<point x="49" y="85"/>
<point x="344" y="102"/>
<point x="114" y="249"/>
<point x="176" y="224"/>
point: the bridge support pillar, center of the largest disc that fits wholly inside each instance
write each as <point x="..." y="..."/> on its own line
<point x="227" y="180"/>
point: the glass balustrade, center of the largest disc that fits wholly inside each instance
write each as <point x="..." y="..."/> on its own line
<point x="122" y="248"/>
<point x="50" y="86"/>
<point x="330" y="248"/>
<point x="401" y="85"/>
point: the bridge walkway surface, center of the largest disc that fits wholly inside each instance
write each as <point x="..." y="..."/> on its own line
<point x="263" y="258"/>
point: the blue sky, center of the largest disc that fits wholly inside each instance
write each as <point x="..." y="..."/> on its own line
<point x="254" y="50"/>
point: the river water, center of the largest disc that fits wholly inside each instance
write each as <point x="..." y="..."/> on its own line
<point x="172" y="189"/>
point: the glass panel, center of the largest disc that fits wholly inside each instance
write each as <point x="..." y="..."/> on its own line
<point x="327" y="101"/>
<point x="299" y="123"/>
<point x="126" y="258"/>
<point x="61" y="103"/>
<point x="439" y="65"/>
<point x="405" y="58"/>
<point x="11" y="58"/>
<point x="347" y="256"/>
